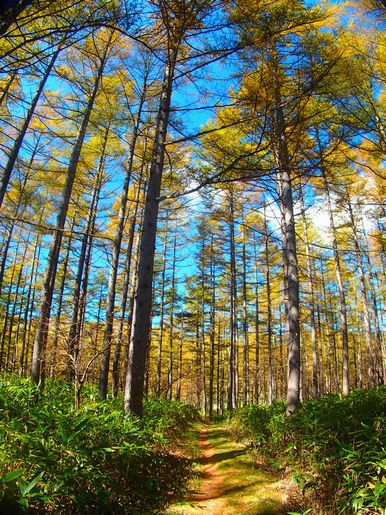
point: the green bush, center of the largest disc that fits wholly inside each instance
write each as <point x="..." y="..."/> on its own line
<point x="96" y="460"/>
<point x="333" y="445"/>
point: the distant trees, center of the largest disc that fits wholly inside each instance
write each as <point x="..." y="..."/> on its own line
<point x="266" y="280"/>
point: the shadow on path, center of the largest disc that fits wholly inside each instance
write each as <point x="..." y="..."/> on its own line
<point x="219" y="457"/>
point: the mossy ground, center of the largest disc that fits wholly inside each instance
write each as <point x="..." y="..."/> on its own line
<point x="229" y="481"/>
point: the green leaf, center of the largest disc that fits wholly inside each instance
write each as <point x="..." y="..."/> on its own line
<point x="26" y="488"/>
<point x="10" y="476"/>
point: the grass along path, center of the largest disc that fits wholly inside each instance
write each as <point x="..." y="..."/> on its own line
<point x="229" y="480"/>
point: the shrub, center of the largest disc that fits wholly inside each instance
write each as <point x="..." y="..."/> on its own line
<point x="333" y="445"/>
<point x="96" y="460"/>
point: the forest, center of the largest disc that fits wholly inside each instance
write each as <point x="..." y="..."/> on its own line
<point x="192" y="254"/>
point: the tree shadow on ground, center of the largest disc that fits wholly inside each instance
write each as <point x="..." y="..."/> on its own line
<point x="219" y="457"/>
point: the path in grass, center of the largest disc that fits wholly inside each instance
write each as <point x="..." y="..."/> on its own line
<point x="230" y="482"/>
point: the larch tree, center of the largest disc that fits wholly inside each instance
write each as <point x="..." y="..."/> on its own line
<point x="177" y="20"/>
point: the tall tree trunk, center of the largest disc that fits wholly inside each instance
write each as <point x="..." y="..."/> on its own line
<point x="141" y="326"/>
<point x="171" y="322"/>
<point x="40" y="343"/>
<point x="58" y="316"/>
<point x="129" y="272"/>
<point x="245" y="326"/>
<point x="30" y="316"/>
<point x="14" y="305"/>
<point x="380" y="347"/>
<point x="315" y="383"/>
<point x="7" y="307"/>
<point x="233" y="365"/>
<point x="162" y="313"/>
<point x="13" y="155"/>
<point x="269" y="313"/>
<point x="342" y="295"/>
<point x="35" y="258"/>
<point x="364" y="295"/>
<point x="212" y="327"/>
<point x="110" y="303"/>
<point x="291" y="272"/>
<point x="257" y="328"/>
<point x="73" y="340"/>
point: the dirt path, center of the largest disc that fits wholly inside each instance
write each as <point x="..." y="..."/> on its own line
<point x="229" y="482"/>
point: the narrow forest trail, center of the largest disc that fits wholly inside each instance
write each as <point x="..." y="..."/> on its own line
<point x="230" y="482"/>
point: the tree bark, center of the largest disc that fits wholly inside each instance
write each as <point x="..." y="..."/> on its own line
<point x="141" y="325"/>
<point x="315" y="382"/>
<point x="342" y="295"/>
<point x="110" y="303"/>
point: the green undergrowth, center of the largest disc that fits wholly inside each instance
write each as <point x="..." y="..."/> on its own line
<point x="333" y="446"/>
<point x="95" y="461"/>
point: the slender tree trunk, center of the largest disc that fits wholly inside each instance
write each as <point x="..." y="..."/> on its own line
<point x="269" y="313"/>
<point x="232" y="377"/>
<point x="14" y="307"/>
<point x="58" y="316"/>
<point x="257" y="328"/>
<point x="198" y="362"/>
<point x="180" y="359"/>
<point x="202" y="332"/>
<point x="30" y="316"/>
<point x="315" y="383"/>
<point x="162" y="313"/>
<point x="218" y="375"/>
<point x="342" y="295"/>
<point x="171" y="323"/>
<point x="125" y="290"/>
<point x="40" y="343"/>
<point x="73" y="341"/>
<point x="364" y="295"/>
<point x="7" y="307"/>
<point x="97" y="330"/>
<point x="245" y="327"/>
<point x="110" y="303"/>
<point x="380" y="347"/>
<point x="212" y="327"/>
<point x="23" y="130"/>
<point x="36" y="252"/>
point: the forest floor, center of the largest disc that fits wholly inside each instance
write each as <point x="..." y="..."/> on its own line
<point x="229" y="481"/>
